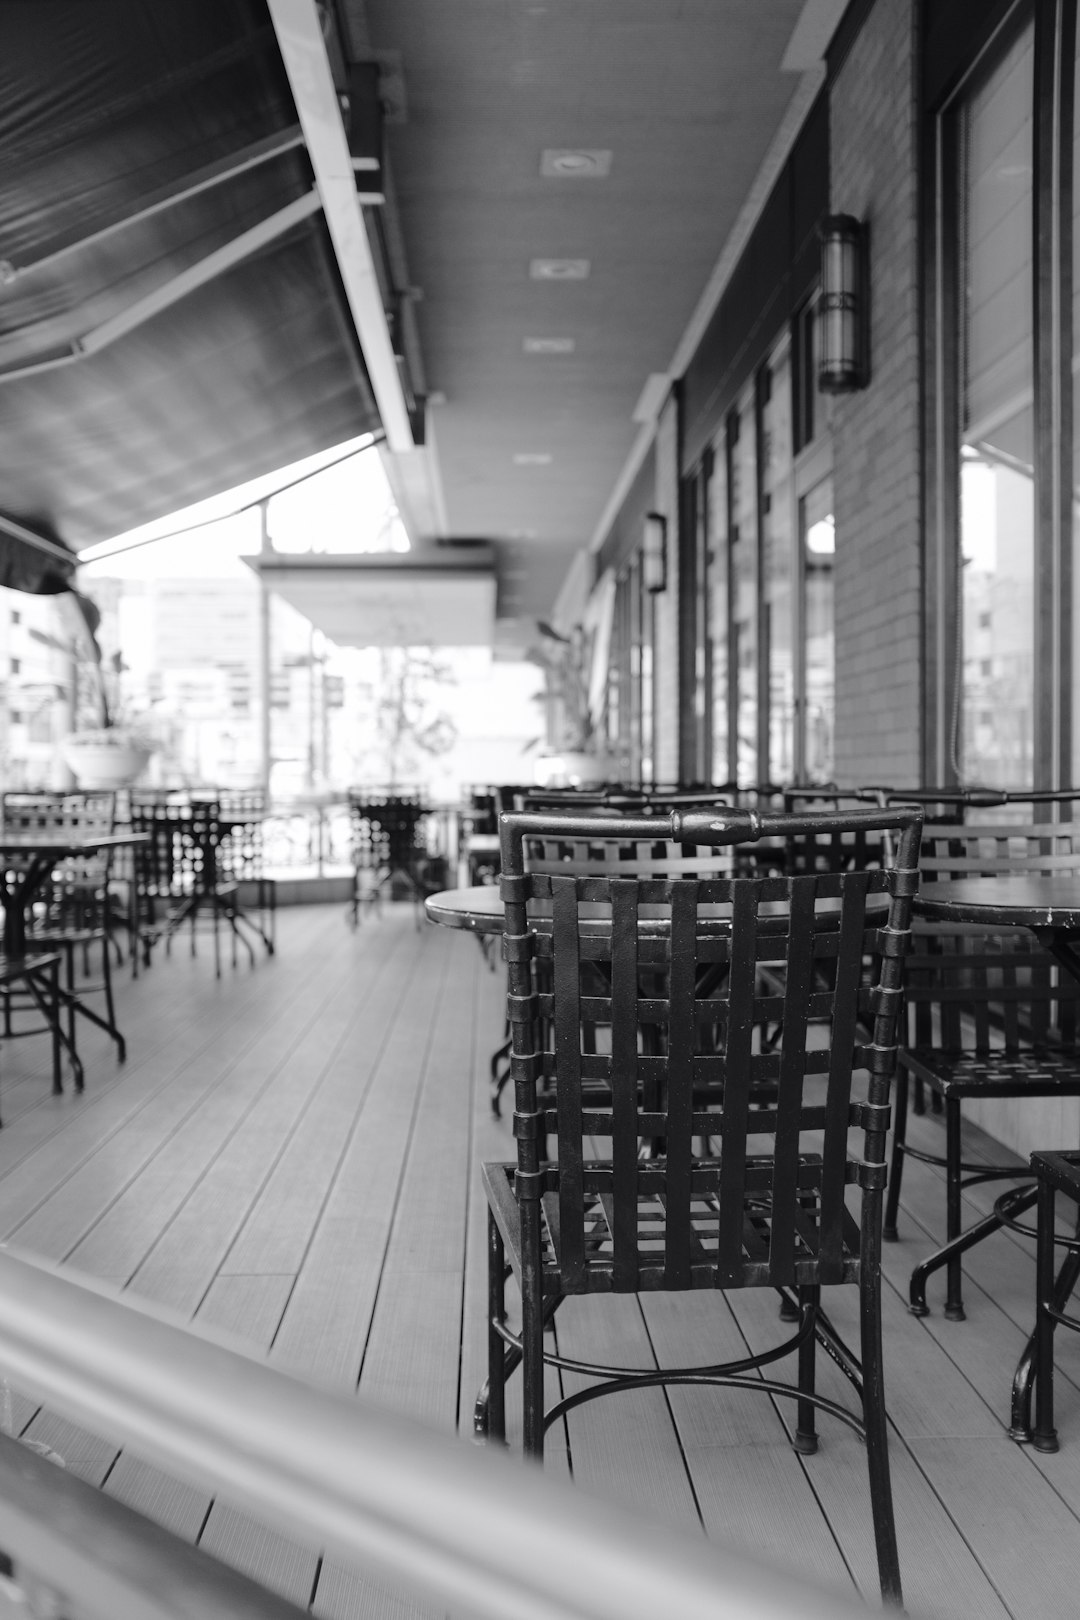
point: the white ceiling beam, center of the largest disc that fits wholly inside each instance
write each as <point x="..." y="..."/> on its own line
<point x="299" y="34"/>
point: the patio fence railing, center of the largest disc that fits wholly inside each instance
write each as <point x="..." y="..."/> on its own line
<point x="473" y="1533"/>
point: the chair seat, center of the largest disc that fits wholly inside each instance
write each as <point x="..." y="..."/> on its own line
<point x="752" y="1268"/>
<point x="17" y="967"/>
<point x="56" y="934"/>
<point x="1046" y="1072"/>
<point x="1061" y="1170"/>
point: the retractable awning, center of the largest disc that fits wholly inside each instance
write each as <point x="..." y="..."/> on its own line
<point x="172" y="317"/>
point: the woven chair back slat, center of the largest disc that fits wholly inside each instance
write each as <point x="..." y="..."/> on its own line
<point x="680" y="1083"/>
<point x="845" y="1011"/>
<point x="625" y="1081"/>
<point x="567" y="1039"/>
<point x="975" y="989"/>
<point x="653" y="1037"/>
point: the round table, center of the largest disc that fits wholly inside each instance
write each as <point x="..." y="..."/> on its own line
<point x="479" y="910"/>
<point x="1048" y="906"/>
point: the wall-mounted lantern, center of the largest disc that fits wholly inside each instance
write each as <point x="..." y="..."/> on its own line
<point x="843" y="311"/>
<point x="654" y="553"/>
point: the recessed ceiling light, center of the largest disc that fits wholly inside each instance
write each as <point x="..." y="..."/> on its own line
<point x="548" y="345"/>
<point x="558" y="269"/>
<point x="532" y="458"/>
<point x="576" y="164"/>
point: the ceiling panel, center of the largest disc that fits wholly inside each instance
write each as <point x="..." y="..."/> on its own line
<point x="687" y="98"/>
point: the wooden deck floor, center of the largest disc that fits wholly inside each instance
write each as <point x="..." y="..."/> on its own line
<point x="288" y="1155"/>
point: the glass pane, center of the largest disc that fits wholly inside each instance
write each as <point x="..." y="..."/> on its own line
<point x="718" y="614"/>
<point x="778" y="565"/>
<point x="743" y="542"/>
<point x="997" y="505"/>
<point x="1076" y="424"/>
<point x="818" y="538"/>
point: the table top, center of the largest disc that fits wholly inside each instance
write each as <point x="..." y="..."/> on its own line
<point x="479" y="910"/>
<point x="1024" y="901"/>
<point x="55" y="841"/>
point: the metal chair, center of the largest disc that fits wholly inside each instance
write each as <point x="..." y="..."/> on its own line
<point x="990" y="1015"/>
<point x="179" y="881"/>
<point x="71" y="914"/>
<point x="242" y="856"/>
<point x="761" y="1201"/>
<point x="387" y="845"/>
<point x="562" y="849"/>
<point x="1055" y="1173"/>
<point x="39" y="978"/>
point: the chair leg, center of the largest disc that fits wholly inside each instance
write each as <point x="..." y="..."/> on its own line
<point x="532" y="1329"/>
<point x="1044" y="1437"/>
<point x="806" y="1426"/>
<point x="69" y="979"/>
<point x="496" y="1404"/>
<point x="954" y="1303"/>
<point x="896" y="1165"/>
<point x="110" y="1009"/>
<point x="877" y="1434"/>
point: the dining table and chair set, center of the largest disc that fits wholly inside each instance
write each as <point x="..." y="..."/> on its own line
<point x="90" y="878"/>
<point x="722" y="1010"/>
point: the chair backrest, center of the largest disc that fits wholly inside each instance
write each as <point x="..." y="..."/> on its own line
<point x="387" y="829"/>
<point x="626" y="959"/>
<point x="180" y="854"/>
<point x="241" y="813"/>
<point x="75" y="811"/>
<point x="1021" y="836"/>
<point x="74" y="893"/>
<point x="982" y="990"/>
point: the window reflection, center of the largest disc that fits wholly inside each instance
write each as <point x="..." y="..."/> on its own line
<point x="818" y="529"/>
<point x="997" y="506"/>
<point x="744" y="586"/>
<point x="778" y="562"/>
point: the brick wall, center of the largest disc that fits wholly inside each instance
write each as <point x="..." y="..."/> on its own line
<point x="873" y="135"/>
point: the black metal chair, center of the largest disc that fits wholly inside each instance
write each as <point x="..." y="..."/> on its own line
<point x="760" y="1202"/>
<point x="242" y="856"/>
<point x="388" y="846"/>
<point x="562" y="850"/>
<point x="990" y="1015"/>
<point x="71" y="914"/>
<point x="1055" y="1173"/>
<point x="178" y="879"/>
<point x="38" y="977"/>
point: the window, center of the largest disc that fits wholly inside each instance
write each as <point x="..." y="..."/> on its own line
<point x="1003" y="709"/>
<point x="719" y="661"/>
<point x="997" y="437"/>
<point x="778" y="561"/>
<point x="817" y="532"/>
<point x="743" y="564"/>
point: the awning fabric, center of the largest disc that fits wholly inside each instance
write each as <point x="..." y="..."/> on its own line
<point x="105" y="110"/>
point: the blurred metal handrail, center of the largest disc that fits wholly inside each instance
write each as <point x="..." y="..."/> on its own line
<point x="476" y="1532"/>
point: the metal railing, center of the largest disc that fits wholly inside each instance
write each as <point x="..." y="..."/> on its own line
<point x="476" y="1532"/>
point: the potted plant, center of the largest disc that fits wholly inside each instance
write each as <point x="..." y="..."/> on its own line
<point x="114" y="752"/>
<point x="575" y="756"/>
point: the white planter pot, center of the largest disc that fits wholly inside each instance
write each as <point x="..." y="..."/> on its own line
<point x="98" y="764"/>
